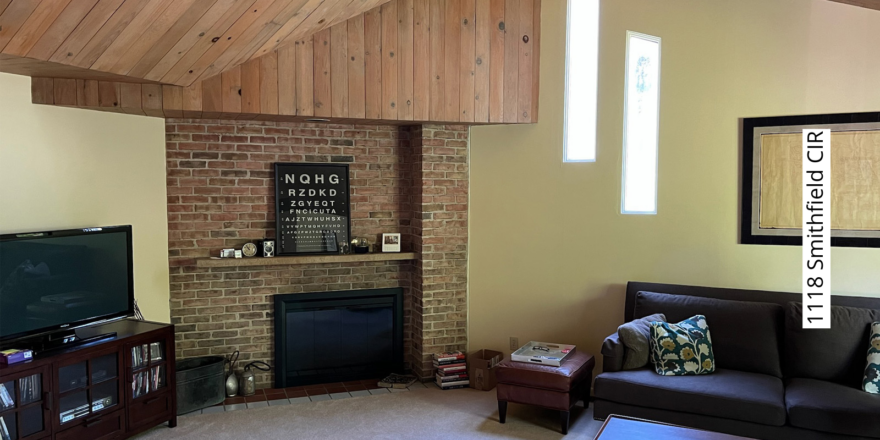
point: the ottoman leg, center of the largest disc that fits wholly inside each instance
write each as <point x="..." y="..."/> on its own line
<point x="563" y="421"/>
<point x="502" y="411"/>
<point x="587" y="382"/>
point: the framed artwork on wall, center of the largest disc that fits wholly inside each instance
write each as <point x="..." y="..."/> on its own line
<point x="312" y="208"/>
<point x="391" y="242"/>
<point x="771" y="191"/>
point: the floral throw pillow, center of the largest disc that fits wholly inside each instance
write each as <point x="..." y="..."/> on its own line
<point x="872" y="373"/>
<point x="683" y="349"/>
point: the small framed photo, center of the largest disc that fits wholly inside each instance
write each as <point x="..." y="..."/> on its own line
<point x="391" y="242"/>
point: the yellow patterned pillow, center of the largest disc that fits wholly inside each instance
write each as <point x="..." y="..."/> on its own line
<point x="871" y="383"/>
<point x="683" y="349"/>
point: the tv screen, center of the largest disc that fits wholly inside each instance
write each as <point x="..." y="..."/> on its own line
<point x="63" y="279"/>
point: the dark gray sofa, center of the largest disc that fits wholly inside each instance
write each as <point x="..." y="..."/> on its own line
<point x="773" y="380"/>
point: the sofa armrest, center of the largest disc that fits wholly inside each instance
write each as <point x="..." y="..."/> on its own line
<point x="612" y="354"/>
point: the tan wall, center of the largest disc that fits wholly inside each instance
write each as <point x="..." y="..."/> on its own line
<point x="550" y="251"/>
<point x="68" y="168"/>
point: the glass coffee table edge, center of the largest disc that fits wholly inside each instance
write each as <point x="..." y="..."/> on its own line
<point x="655" y="422"/>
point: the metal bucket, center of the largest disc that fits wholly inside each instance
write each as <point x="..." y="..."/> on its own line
<point x="200" y="383"/>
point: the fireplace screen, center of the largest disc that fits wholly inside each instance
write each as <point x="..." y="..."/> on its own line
<point x="338" y="336"/>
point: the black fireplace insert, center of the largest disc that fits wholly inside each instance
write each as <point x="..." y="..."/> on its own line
<point x="338" y="336"/>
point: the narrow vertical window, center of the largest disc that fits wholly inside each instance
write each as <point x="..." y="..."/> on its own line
<point x="641" y="119"/>
<point x="581" y="60"/>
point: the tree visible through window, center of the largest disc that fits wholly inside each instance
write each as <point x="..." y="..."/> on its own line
<point x="641" y="124"/>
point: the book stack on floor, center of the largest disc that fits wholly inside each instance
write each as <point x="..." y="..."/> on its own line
<point x="452" y="370"/>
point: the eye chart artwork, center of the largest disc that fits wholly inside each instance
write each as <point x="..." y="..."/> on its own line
<point x="312" y="208"/>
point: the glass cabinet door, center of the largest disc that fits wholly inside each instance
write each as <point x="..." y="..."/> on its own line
<point x="24" y="406"/>
<point x="148" y="368"/>
<point x="87" y="387"/>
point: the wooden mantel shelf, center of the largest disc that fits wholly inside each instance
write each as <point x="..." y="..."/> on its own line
<point x="307" y="259"/>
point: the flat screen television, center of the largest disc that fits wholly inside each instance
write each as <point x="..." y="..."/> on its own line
<point x="60" y="280"/>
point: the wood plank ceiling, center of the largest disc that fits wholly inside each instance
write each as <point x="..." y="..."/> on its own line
<point x="165" y="41"/>
<point x="406" y="61"/>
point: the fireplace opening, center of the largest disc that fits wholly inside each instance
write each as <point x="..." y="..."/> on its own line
<point x="338" y="336"/>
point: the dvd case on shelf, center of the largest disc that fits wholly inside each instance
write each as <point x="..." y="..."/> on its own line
<point x="156" y="352"/>
<point x="24" y="388"/>
<point x="140" y="356"/>
<point x="157" y="377"/>
<point x="6" y="400"/>
<point x="145" y="381"/>
<point x="4" y="431"/>
<point x="29" y="387"/>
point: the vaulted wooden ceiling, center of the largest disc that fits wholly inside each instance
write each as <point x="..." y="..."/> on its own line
<point x="164" y="41"/>
<point x="406" y="61"/>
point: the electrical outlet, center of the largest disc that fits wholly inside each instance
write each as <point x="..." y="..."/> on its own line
<point x="514" y="343"/>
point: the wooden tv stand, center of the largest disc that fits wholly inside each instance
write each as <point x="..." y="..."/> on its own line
<point x="111" y="389"/>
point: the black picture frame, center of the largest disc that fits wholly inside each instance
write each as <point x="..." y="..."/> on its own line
<point x="749" y="125"/>
<point x="312" y="169"/>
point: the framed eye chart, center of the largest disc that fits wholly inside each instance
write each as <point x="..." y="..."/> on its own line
<point x="312" y="208"/>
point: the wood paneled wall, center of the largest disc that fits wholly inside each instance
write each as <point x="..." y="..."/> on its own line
<point x="464" y="61"/>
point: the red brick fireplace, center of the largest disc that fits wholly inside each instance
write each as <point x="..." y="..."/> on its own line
<point x="412" y="180"/>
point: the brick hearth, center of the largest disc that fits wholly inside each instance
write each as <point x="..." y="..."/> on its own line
<point x="412" y="180"/>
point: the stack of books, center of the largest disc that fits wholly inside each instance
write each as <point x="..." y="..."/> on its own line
<point x="452" y="370"/>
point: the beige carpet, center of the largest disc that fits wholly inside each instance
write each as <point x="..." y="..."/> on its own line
<point x="428" y="413"/>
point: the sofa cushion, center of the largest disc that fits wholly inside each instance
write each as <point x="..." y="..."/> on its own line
<point x="729" y="394"/>
<point x="871" y="382"/>
<point x="636" y="337"/>
<point x="836" y="354"/>
<point x="682" y="349"/>
<point x="745" y="335"/>
<point x="834" y="408"/>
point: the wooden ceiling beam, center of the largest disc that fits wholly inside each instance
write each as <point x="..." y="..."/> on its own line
<point x="38" y="68"/>
<point x="870" y="4"/>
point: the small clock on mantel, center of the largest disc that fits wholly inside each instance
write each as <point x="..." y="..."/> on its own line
<point x="249" y="250"/>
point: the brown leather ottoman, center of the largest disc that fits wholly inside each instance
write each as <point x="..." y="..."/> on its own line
<point x="557" y="388"/>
